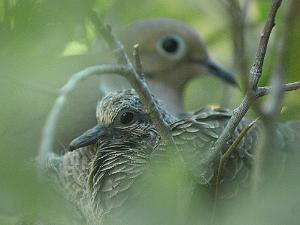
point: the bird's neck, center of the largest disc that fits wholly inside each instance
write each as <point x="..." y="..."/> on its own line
<point x="168" y="94"/>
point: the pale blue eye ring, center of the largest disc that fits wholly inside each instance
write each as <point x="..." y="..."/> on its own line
<point x="171" y="45"/>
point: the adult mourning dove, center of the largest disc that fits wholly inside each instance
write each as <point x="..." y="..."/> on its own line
<point x="172" y="54"/>
<point x="105" y="166"/>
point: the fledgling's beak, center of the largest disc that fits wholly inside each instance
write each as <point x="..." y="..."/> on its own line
<point x="218" y="71"/>
<point x="87" y="138"/>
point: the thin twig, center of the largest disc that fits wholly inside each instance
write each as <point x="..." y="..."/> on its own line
<point x="137" y="60"/>
<point x="133" y="78"/>
<point x="256" y="69"/>
<point x="46" y="147"/>
<point x="228" y="153"/>
<point x="244" y="10"/>
<point x="272" y="108"/>
<point x="262" y="91"/>
<point x="224" y="159"/>
<point x="126" y="69"/>
<point x="237" y="22"/>
<point x="238" y="17"/>
<point x="250" y="96"/>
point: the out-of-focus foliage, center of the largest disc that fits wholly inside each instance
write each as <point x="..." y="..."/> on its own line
<point x="37" y="41"/>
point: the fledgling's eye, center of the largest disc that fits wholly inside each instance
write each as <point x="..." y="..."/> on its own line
<point x="171" y="45"/>
<point x="127" y="118"/>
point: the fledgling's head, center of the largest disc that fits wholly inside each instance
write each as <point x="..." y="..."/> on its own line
<point x="122" y="144"/>
<point x="121" y="116"/>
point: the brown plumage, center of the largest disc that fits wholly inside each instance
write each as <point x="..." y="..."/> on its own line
<point x="101" y="172"/>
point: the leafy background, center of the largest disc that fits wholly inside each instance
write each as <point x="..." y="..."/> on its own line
<point x="42" y="42"/>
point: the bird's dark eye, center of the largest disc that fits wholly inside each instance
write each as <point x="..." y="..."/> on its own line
<point x="170" y="44"/>
<point x="126" y="118"/>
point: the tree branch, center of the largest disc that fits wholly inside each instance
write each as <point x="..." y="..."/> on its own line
<point x="250" y="97"/>
<point x="133" y="78"/>
<point x="46" y="153"/>
<point x="225" y="157"/>
<point x="256" y="70"/>
<point x="137" y="60"/>
<point x="237" y="15"/>
<point x="262" y="91"/>
<point x="237" y="21"/>
<point x="271" y="109"/>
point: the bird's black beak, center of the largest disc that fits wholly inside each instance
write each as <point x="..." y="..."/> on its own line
<point x="89" y="137"/>
<point x="218" y="71"/>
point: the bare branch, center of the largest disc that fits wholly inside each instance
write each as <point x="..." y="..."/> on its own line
<point x="228" y="153"/>
<point x="250" y="96"/>
<point x="46" y="147"/>
<point x="256" y="70"/>
<point x="237" y="23"/>
<point x="272" y="107"/>
<point x="237" y="15"/>
<point x="244" y="9"/>
<point x="133" y="78"/>
<point x="137" y="60"/>
<point x="262" y="91"/>
<point x="47" y="155"/>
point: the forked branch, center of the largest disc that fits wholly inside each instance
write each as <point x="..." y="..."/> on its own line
<point x="126" y="69"/>
<point x="251" y="94"/>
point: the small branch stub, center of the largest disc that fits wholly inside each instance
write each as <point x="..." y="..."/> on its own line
<point x="134" y="78"/>
<point x="137" y="60"/>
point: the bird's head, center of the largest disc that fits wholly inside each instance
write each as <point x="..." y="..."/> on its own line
<point x="122" y="143"/>
<point x="172" y="50"/>
<point x="121" y="117"/>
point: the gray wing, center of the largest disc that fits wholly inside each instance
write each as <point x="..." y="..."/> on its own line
<point x="70" y="175"/>
<point x="196" y="135"/>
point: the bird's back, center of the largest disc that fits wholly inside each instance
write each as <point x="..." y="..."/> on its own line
<point x="196" y="135"/>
